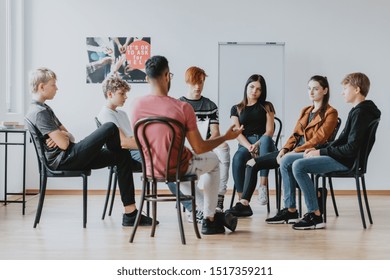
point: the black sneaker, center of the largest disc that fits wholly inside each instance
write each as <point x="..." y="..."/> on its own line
<point x="319" y="198"/>
<point x="212" y="227"/>
<point x="227" y="219"/>
<point x="310" y="221"/>
<point x="128" y="220"/>
<point x="219" y="207"/>
<point x="284" y="217"/>
<point x="240" y="210"/>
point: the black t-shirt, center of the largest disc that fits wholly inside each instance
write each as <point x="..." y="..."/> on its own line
<point x="205" y="110"/>
<point x="253" y="118"/>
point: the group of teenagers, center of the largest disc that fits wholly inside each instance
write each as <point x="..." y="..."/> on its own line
<point x="307" y="151"/>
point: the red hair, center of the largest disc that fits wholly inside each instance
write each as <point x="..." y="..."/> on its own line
<point x="195" y="75"/>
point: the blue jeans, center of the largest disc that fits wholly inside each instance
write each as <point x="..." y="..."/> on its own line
<point x="242" y="156"/>
<point x="136" y="160"/>
<point x="299" y="168"/>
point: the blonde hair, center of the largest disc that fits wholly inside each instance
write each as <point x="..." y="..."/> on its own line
<point x="40" y="75"/>
<point x="358" y="80"/>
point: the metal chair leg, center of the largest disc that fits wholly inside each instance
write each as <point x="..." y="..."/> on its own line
<point x="233" y="195"/>
<point x="179" y="217"/>
<point x="323" y="198"/>
<point x="113" y="193"/>
<point x="139" y="214"/>
<point x="195" y="223"/>
<point x="300" y="202"/>
<point x="107" y="194"/>
<point x="278" y="189"/>
<point x="336" y="211"/>
<point x="360" y="201"/>
<point x="43" y="180"/>
<point x="366" y="199"/>
<point x="85" y="194"/>
<point x="268" y="208"/>
<point x="154" y="209"/>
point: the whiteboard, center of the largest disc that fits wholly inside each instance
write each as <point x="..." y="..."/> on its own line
<point x="237" y="62"/>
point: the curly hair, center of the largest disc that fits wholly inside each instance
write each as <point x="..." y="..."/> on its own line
<point x="114" y="83"/>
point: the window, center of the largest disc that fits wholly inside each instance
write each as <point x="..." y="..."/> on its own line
<point x="13" y="42"/>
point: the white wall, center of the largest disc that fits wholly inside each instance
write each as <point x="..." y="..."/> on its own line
<point x="331" y="38"/>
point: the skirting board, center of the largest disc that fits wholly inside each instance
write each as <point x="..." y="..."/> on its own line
<point x="229" y="192"/>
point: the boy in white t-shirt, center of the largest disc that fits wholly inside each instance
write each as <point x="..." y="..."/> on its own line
<point x="115" y="91"/>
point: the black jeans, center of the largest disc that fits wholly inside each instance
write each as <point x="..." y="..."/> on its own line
<point x="90" y="153"/>
<point x="267" y="161"/>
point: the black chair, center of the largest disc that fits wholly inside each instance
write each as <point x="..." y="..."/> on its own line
<point x="278" y="128"/>
<point x="150" y="180"/>
<point x="357" y="171"/>
<point x="45" y="172"/>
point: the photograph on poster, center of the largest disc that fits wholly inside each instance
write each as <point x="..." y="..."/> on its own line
<point x="122" y="56"/>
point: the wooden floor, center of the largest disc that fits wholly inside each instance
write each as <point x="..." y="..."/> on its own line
<point x="60" y="234"/>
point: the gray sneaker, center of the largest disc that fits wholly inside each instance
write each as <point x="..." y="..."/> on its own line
<point x="219" y="207"/>
<point x="198" y="214"/>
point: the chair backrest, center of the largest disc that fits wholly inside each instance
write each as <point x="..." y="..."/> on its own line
<point x="278" y="130"/>
<point x="360" y="164"/>
<point x="98" y="123"/>
<point x="336" y="130"/>
<point x="169" y="156"/>
<point x="37" y="139"/>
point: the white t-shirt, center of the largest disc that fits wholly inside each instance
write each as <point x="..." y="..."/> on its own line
<point x="118" y="117"/>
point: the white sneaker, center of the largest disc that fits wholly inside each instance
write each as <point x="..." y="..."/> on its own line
<point x="262" y="197"/>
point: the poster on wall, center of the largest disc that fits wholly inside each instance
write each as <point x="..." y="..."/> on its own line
<point x="122" y="56"/>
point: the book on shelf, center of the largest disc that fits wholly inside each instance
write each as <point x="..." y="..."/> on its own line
<point x="14" y="125"/>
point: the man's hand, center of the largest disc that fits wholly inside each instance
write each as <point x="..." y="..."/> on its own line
<point x="233" y="132"/>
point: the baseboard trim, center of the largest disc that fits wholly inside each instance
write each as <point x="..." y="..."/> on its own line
<point x="229" y="192"/>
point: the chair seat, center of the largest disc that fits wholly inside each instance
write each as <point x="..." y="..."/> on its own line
<point x="68" y="173"/>
<point x="343" y="174"/>
<point x="184" y="178"/>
